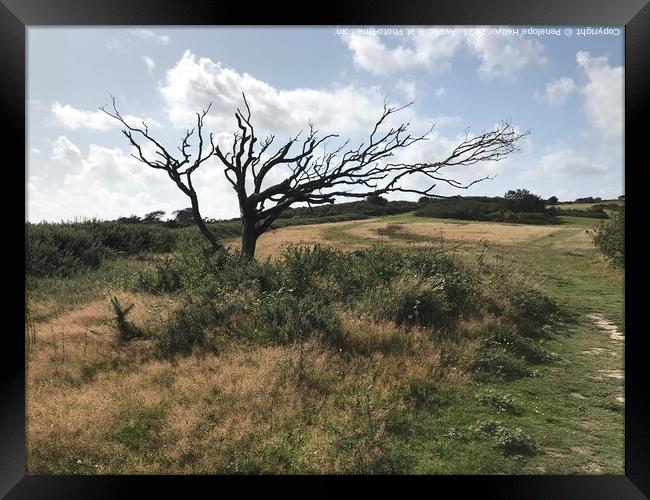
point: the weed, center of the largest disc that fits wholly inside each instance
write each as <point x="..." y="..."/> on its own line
<point x="502" y="403"/>
<point x="127" y="330"/>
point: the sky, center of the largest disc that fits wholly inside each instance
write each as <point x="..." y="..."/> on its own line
<point x="566" y="89"/>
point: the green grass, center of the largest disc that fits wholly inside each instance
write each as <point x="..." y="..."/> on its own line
<point x="569" y="409"/>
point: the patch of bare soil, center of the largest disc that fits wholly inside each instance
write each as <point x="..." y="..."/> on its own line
<point x="607" y="326"/>
<point x="617" y="374"/>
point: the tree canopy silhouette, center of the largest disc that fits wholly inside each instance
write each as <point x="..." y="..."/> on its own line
<point x="313" y="173"/>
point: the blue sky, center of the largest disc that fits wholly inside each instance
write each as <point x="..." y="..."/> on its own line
<point x="567" y="90"/>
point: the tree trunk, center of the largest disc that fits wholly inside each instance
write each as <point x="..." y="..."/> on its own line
<point x="248" y="238"/>
<point x="209" y="235"/>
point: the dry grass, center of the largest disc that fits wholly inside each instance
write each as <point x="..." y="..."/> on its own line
<point x="365" y="232"/>
<point x="270" y="244"/>
<point x="110" y="408"/>
<point x="500" y="234"/>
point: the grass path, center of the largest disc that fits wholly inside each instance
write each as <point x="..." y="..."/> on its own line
<point x="575" y="407"/>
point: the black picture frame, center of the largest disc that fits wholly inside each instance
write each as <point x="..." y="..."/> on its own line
<point x="17" y="15"/>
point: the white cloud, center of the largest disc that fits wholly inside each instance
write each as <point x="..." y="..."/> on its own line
<point x="603" y="94"/>
<point x="149" y="63"/>
<point x="64" y="149"/>
<point x="558" y="90"/>
<point x="565" y="162"/>
<point x="74" y="119"/>
<point x="500" y="56"/>
<point x="432" y="52"/>
<point x="106" y="183"/>
<point x="149" y="35"/>
<point x="504" y="56"/>
<point x="347" y="110"/>
<point x="125" y="44"/>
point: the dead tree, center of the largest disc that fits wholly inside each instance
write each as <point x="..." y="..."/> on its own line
<point x="179" y="170"/>
<point x="312" y="173"/>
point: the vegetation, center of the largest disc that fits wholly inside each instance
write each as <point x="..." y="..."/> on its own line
<point x="518" y="206"/>
<point x="610" y="238"/>
<point x="403" y="357"/>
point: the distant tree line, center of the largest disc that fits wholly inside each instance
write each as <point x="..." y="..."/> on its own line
<point x="518" y="206"/>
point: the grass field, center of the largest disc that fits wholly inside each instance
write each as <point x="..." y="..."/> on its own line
<point x="388" y="402"/>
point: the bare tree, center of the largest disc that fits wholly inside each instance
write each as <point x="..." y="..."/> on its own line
<point x="314" y="174"/>
<point x="179" y="170"/>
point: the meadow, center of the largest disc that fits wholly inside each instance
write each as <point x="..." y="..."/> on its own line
<point x="384" y="344"/>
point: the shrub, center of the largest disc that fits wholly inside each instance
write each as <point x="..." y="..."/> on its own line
<point x="505" y="336"/>
<point x="502" y="403"/>
<point x="596" y="212"/>
<point x="514" y="442"/>
<point x="511" y="442"/>
<point x="283" y="317"/>
<point x="278" y="317"/>
<point x="195" y="325"/>
<point x="65" y="249"/>
<point x="410" y="302"/>
<point x="132" y="239"/>
<point x="166" y="277"/>
<point x="298" y="297"/>
<point x="528" y="307"/>
<point x="61" y="250"/>
<point x="499" y="365"/>
<point x="518" y="207"/>
<point x="610" y="238"/>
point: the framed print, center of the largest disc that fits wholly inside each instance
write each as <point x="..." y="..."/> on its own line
<point x="381" y="242"/>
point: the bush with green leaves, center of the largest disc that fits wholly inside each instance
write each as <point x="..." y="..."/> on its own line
<point x="67" y="248"/>
<point x="278" y="317"/>
<point x="609" y="238"/>
<point x="509" y="441"/>
<point x="283" y="317"/>
<point x="523" y="303"/>
<point x="61" y="250"/>
<point x="500" y="335"/>
<point x="300" y="296"/>
<point x="501" y="403"/>
<point x="410" y="302"/>
<point x="499" y="365"/>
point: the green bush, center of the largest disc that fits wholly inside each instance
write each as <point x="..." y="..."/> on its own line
<point x="610" y="238"/>
<point x="283" y="317"/>
<point x="510" y="442"/>
<point x="520" y="208"/>
<point x="502" y="403"/>
<point x="132" y="239"/>
<point x="299" y="296"/>
<point x="195" y="325"/>
<point x="493" y="364"/>
<point x="506" y="336"/>
<point x="61" y="250"/>
<point x="280" y="317"/>
<point x="410" y="302"/>
<point x="528" y="307"/>
<point x="426" y="395"/>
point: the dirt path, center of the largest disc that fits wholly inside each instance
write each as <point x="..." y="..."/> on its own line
<point x="607" y="326"/>
<point x="617" y="338"/>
